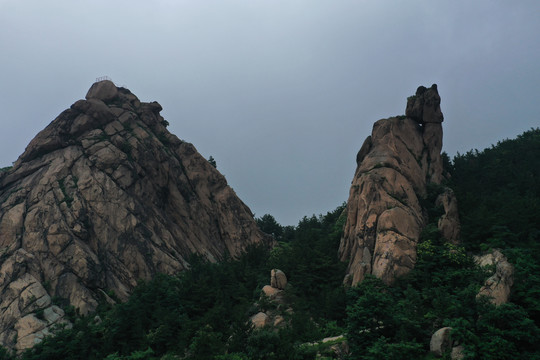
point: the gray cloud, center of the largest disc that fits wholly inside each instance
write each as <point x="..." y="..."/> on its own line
<point x="280" y="93"/>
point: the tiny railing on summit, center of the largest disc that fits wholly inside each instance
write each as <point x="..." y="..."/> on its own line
<point x="103" y="78"/>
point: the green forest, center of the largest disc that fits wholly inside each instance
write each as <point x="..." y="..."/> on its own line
<point x="203" y="313"/>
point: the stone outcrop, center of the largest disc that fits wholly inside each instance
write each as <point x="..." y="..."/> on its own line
<point x="260" y="320"/>
<point x="498" y="286"/>
<point x="424" y="108"/>
<point x="449" y="222"/>
<point x="278" y="279"/>
<point x="271" y="292"/>
<point x="334" y="347"/>
<point x="385" y="214"/>
<point x="275" y="294"/>
<point x="440" y="342"/>
<point x="105" y="196"/>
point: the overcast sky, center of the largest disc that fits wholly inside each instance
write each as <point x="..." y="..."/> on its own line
<point x="281" y="93"/>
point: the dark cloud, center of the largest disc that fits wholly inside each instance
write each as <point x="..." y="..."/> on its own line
<point x="280" y="93"/>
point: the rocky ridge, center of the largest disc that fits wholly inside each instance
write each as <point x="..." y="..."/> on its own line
<point x="102" y="197"/>
<point x="385" y="210"/>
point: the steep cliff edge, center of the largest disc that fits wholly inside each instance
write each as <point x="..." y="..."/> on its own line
<point x="386" y="211"/>
<point x="102" y="197"/>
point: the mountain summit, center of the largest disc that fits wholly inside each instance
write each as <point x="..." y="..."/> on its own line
<point x="105" y="196"/>
<point x="389" y="198"/>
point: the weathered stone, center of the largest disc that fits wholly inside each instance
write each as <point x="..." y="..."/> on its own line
<point x="103" y="90"/>
<point x="270" y="291"/>
<point x="498" y="286"/>
<point x="458" y="353"/>
<point x="449" y="222"/>
<point x="433" y="139"/>
<point x="31" y="329"/>
<point x="424" y="106"/>
<point x="440" y="342"/>
<point x="105" y="196"/>
<point x="260" y="320"/>
<point x="338" y="349"/>
<point x="279" y="320"/>
<point x="273" y="294"/>
<point x="384" y="214"/>
<point x="278" y="279"/>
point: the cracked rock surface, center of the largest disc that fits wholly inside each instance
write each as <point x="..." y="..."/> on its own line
<point x="385" y="214"/>
<point x="102" y="197"/>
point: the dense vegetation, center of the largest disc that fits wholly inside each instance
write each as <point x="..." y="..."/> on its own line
<point x="202" y="313"/>
<point x="498" y="191"/>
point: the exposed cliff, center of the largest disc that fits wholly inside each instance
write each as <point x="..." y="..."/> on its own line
<point x="386" y="209"/>
<point x="102" y="197"/>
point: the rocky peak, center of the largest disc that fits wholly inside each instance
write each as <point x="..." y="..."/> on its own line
<point x="385" y="211"/>
<point x="425" y="106"/>
<point x="102" y="197"/>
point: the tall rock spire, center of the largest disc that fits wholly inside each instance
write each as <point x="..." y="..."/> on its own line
<point x="425" y="108"/>
<point x="384" y="212"/>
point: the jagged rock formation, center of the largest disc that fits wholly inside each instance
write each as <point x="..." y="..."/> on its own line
<point x="102" y="197"/>
<point x="274" y="293"/>
<point x="260" y="320"/>
<point x="385" y="215"/>
<point x="499" y="285"/>
<point x="448" y="223"/>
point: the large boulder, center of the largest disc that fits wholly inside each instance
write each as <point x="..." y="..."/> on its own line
<point x="103" y="90"/>
<point x="278" y="279"/>
<point x="270" y="291"/>
<point x="441" y="342"/>
<point x="260" y="320"/>
<point x="424" y="107"/>
<point x="275" y="291"/>
<point x="499" y="285"/>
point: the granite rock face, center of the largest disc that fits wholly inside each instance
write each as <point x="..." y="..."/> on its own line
<point x="278" y="279"/>
<point x="385" y="210"/>
<point x="102" y="197"/>
<point x="499" y="285"/>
